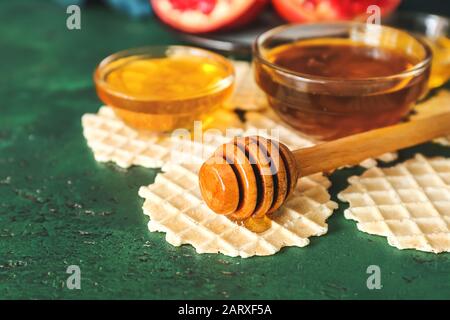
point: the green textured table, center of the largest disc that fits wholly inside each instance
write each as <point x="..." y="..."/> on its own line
<point x="58" y="207"/>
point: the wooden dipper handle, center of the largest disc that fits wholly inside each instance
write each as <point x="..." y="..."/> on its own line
<point x="353" y="149"/>
<point x="251" y="177"/>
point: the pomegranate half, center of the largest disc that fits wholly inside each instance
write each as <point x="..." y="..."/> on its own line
<point x="330" y="10"/>
<point x="202" y="16"/>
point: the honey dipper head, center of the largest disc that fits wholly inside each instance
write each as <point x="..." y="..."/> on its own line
<point x="248" y="177"/>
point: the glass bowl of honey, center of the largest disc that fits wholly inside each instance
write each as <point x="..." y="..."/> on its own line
<point x="163" y="88"/>
<point x="331" y="80"/>
<point x="435" y="31"/>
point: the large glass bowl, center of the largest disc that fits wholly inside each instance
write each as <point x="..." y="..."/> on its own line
<point x="327" y="108"/>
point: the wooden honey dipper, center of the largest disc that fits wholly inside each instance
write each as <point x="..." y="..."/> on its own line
<point x="251" y="177"/>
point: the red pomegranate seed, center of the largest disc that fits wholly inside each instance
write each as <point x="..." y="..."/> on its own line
<point x="204" y="6"/>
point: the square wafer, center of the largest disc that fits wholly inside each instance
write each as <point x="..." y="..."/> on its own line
<point x="175" y="207"/>
<point x="408" y="203"/>
<point x="111" y="140"/>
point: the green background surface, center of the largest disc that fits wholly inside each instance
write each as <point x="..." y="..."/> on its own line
<point x="59" y="207"/>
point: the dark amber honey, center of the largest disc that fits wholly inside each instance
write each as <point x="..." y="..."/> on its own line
<point x="344" y="88"/>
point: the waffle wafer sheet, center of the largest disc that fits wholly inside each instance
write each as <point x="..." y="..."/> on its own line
<point x="174" y="204"/>
<point x="408" y="203"/>
<point x="111" y="140"/>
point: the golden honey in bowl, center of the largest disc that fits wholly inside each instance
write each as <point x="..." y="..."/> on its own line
<point x="440" y="68"/>
<point x="161" y="89"/>
<point x="333" y="113"/>
<point x="359" y="78"/>
<point x="434" y="30"/>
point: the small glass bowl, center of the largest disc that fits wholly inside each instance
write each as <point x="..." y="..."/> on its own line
<point x="435" y="31"/>
<point x="328" y="108"/>
<point x="164" y="112"/>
